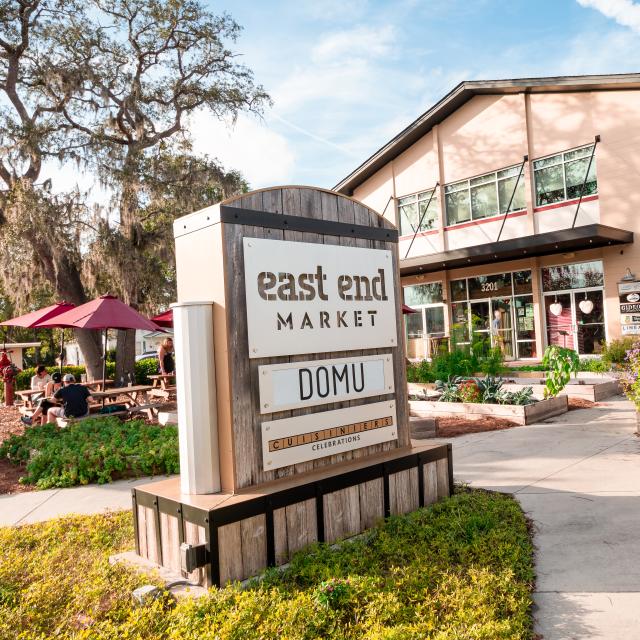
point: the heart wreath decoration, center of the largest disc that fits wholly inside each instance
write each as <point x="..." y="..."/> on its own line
<point x="586" y="306"/>
<point x="556" y="308"/>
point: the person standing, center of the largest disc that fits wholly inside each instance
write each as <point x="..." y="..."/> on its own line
<point x="166" y="357"/>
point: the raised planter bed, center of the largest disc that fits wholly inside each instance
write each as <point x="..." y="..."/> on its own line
<point x="594" y="389"/>
<point x="520" y="414"/>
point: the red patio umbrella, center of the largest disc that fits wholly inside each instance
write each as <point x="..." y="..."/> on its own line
<point x="103" y="313"/>
<point x="164" y="319"/>
<point x="34" y="319"/>
<point x="406" y="309"/>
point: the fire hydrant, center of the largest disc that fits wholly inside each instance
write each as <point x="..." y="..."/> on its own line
<point x="8" y="373"/>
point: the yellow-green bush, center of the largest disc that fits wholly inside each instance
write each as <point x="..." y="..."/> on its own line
<point x="460" y="569"/>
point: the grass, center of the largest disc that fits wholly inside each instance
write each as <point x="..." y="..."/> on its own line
<point x="460" y="569"/>
<point x="94" y="450"/>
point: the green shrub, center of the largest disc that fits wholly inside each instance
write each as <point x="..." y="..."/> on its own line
<point x="615" y="351"/>
<point x="462" y="568"/>
<point x="145" y="368"/>
<point x="94" y="450"/>
<point x="23" y="379"/>
<point x="595" y="365"/>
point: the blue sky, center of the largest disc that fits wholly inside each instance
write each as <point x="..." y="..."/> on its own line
<point x="346" y="76"/>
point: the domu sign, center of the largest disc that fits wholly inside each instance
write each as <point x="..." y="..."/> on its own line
<point x="311" y="298"/>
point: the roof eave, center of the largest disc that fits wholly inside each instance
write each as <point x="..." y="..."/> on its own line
<point x="461" y="94"/>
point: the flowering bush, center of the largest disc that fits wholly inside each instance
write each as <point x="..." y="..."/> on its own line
<point x="630" y="379"/>
<point x="469" y="392"/>
<point x="334" y="593"/>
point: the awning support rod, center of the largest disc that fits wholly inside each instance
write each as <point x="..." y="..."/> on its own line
<point x="415" y="233"/>
<point x="513" y="193"/>
<point x="584" y="182"/>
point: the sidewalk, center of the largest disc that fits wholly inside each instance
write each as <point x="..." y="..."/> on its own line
<point x="578" y="478"/>
<point x="36" y="506"/>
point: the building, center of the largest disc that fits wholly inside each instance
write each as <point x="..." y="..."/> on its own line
<point x="516" y="202"/>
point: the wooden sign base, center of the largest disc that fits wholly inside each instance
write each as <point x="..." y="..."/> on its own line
<point x="236" y="536"/>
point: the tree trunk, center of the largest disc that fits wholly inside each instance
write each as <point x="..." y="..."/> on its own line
<point x="125" y="356"/>
<point x="91" y="346"/>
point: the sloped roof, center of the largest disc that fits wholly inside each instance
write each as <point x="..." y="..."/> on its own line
<point x="462" y="94"/>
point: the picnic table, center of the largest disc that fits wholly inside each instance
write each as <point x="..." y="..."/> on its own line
<point x="161" y="386"/>
<point x="26" y="394"/>
<point x="135" y="395"/>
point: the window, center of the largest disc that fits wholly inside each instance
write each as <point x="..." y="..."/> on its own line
<point x="573" y="276"/>
<point x="421" y="294"/>
<point x="560" y="177"/>
<point x="414" y="208"/>
<point x="426" y="300"/>
<point x="485" y="196"/>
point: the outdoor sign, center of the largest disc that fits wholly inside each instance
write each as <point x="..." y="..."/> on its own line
<point x="294" y="385"/>
<point x="293" y="440"/>
<point x="313" y="298"/>
<point x="629" y="293"/>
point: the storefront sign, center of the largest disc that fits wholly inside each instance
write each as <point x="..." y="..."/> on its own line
<point x="304" y="384"/>
<point x="630" y="329"/>
<point x="629" y="308"/>
<point x="294" y="440"/>
<point x="628" y="287"/>
<point x="630" y="319"/>
<point x="313" y="298"/>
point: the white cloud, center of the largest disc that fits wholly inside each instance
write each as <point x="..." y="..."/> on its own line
<point x="624" y="12"/>
<point x="361" y="42"/>
<point x="262" y="155"/>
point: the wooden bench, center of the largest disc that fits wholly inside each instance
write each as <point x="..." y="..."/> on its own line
<point x="150" y="409"/>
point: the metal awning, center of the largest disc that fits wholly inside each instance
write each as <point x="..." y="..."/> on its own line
<point x="579" y="238"/>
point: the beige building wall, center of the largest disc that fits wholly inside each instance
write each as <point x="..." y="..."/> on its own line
<point x="491" y="132"/>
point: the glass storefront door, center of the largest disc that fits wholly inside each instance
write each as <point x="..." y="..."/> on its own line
<point x="502" y="326"/>
<point x="575" y="320"/>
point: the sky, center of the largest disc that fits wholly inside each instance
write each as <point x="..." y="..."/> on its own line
<point x="345" y="76"/>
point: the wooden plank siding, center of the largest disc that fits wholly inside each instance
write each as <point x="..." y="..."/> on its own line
<point x="245" y="410"/>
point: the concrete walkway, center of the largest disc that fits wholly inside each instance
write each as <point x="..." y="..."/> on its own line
<point x="578" y="478"/>
<point x="37" y="506"/>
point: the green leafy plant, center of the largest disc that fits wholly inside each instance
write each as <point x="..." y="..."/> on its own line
<point x="94" y="450"/>
<point x="595" y="365"/>
<point x="523" y="396"/>
<point x="493" y="362"/>
<point x="614" y="352"/>
<point x="449" y="389"/>
<point x="334" y="593"/>
<point x="461" y="568"/>
<point x="489" y="389"/>
<point x="560" y="363"/>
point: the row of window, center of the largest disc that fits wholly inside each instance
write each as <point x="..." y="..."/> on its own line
<point x="556" y="178"/>
<point x="579" y="275"/>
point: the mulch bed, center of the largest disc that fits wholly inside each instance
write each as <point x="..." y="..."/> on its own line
<point x="10" y="474"/>
<point x="452" y="427"/>
<point x="581" y="403"/>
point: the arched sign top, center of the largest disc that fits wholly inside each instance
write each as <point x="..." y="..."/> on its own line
<point x="383" y="222"/>
<point x="306" y="312"/>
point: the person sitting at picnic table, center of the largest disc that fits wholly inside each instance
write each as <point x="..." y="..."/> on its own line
<point x="74" y="398"/>
<point x="39" y="382"/>
<point x="165" y="357"/>
<point x="45" y="403"/>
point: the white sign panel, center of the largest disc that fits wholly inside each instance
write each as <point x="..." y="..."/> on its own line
<point x="293" y="440"/>
<point x="628" y="287"/>
<point x="630" y="329"/>
<point x="293" y="385"/>
<point x="313" y="298"/>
